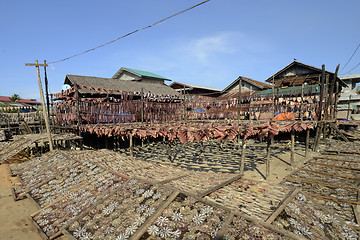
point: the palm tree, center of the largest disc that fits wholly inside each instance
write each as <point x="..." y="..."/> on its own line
<point x="15" y="98"/>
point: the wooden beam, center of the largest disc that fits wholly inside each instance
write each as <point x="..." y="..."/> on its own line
<point x="333" y="166"/>
<point x="292" y="194"/>
<point x="329" y="174"/>
<point x="310" y="181"/>
<point x="292" y="153"/>
<point x="36" y="64"/>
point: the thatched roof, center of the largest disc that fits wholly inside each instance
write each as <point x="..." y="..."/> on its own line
<point x="116" y="84"/>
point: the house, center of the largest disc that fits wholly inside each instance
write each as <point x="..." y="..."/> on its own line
<point x="128" y="74"/>
<point x="248" y="86"/>
<point x="193" y="90"/>
<point x="297" y="74"/>
<point x="96" y="87"/>
<point x="23" y="104"/>
<point x="349" y="98"/>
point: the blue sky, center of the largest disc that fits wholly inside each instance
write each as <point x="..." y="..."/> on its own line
<point x="210" y="45"/>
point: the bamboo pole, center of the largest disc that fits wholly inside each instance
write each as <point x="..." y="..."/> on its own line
<point x="273" y="95"/>
<point x="142" y="105"/>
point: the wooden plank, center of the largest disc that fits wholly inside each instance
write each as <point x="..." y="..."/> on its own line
<point x="220" y="234"/>
<point x="304" y="180"/>
<point x="333" y="166"/>
<point x="151" y="219"/>
<point x="337" y="159"/>
<point x="223" y="184"/>
<point x="328" y="174"/>
<point x="335" y="128"/>
<point x="35" y="65"/>
<point x="37" y="228"/>
<point x="332" y="199"/>
<point x="292" y="194"/>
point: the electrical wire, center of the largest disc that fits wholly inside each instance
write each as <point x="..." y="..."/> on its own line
<point x="350" y="59"/>
<point x="128" y="34"/>
<point x="352" y="68"/>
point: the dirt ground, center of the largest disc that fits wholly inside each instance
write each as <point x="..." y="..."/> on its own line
<point x="14" y="215"/>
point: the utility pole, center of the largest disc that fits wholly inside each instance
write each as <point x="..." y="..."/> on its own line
<point x="37" y="65"/>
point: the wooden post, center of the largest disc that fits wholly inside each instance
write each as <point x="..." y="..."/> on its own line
<point x="239" y="109"/>
<point x="170" y="154"/>
<point x="273" y="95"/>
<point x="131" y="145"/>
<point x="331" y="92"/>
<point x="46" y="90"/>
<point x="43" y="102"/>
<point x="268" y="155"/>
<point x="336" y="99"/>
<point x="242" y="161"/>
<point x="348" y="111"/>
<point x="77" y="105"/>
<point x="307" y="142"/>
<point x="142" y="105"/>
<point x="302" y="103"/>
<point x="292" y="156"/>
<point x="321" y="91"/>
<point x="184" y="102"/>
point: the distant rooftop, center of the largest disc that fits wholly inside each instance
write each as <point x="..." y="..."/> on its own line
<point x="140" y="73"/>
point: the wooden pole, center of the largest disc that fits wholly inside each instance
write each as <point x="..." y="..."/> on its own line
<point x="142" y="105"/>
<point x="273" y="96"/>
<point x="240" y="83"/>
<point x="131" y="145"/>
<point x="46" y="90"/>
<point x="307" y="142"/>
<point x="348" y="111"/>
<point x="43" y="102"/>
<point x="331" y="92"/>
<point x="336" y="99"/>
<point x="170" y="154"/>
<point x="321" y="91"/>
<point x="268" y="154"/>
<point x="302" y="103"/>
<point x="242" y="161"/>
<point x="77" y="105"/>
<point x="292" y="154"/>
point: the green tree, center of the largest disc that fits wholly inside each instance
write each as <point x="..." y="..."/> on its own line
<point x="358" y="89"/>
<point x="15" y="98"/>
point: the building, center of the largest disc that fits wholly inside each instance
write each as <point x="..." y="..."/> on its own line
<point x="95" y="87"/>
<point x="297" y="74"/>
<point x="248" y="86"/>
<point x="194" y="91"/>
<point x="128" y="74"/>
<point x="350" y="98"/>
<point x="24" y="105"/>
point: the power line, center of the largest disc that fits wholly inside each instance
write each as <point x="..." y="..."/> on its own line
<point x="128" y="34"/>
<point x="350" y="59"/>
<point x="353" y="68"/>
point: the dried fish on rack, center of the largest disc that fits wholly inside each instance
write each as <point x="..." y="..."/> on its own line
<point x="306" y="218"/>
<point x="51" y="219"/>
<point x="64" y="183"/>
<point x="41" y="173"/>
<point x="187" y="217"/>
<point x="122" y="214"/>
<point x="254" y="198"/>
<point x="199" y="182"/>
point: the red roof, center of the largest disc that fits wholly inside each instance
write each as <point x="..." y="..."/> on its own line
<point x="7" y="99"/>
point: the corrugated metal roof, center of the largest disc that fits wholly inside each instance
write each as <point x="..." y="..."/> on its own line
<point x="291" y="90"/>
<point x="139" y="73"/>
<point x="116" y="84"/>
<point x="250" y="81"/>
<point x="196" y="86"/>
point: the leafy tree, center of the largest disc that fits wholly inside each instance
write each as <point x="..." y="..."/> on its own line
<point x="358" y="89"/>
<point x="15" y="98"/>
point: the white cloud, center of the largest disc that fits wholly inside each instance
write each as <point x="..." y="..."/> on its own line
<point x="220" y="43"/>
